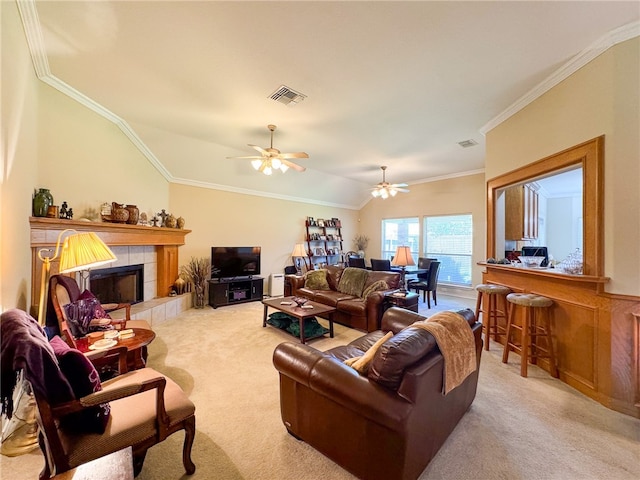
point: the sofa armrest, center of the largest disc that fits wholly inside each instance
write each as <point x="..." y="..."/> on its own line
<point x="296" y="282"/>
<point x="334" y="380"/>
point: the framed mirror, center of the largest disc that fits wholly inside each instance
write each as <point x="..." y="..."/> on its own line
<point x="574" y="222"/>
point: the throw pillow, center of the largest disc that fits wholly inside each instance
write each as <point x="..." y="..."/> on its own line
<point x="361" y="364"/>
<point x="352" y="281"/>
<point x="374" y="287"/>
<point x="316" y="280"/>
<point x="98" y="312"/>
<point x="84" y="380"/>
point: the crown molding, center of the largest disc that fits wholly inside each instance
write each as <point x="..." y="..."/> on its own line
<point x="257" y="193"/>
<point x="600" y="46"/>
<point x="447" y="177"/>
<point x="35" y="42"/>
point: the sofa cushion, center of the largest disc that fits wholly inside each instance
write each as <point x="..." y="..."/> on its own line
<point x="365" y="342"/>
<point x="352" y="281"/>
<point x="330" y="297"/>
<point x="353" y="306"/>
<point x="401" y="351"/>
<point x="374" y="287"/>
<point x="392" y="278"/>
<point x="333" y="276"/>
<point x="345" y="352"/>
<point x="361" y="364"/>
<point x="316" y="280"/>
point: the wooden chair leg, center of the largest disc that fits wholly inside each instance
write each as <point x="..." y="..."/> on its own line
<point x="507" y="347"/>
<point x="478" y="305"/>
<point x="435" y="298"/>
<point x="526" y="340"/>
<point x="189" y="437"/>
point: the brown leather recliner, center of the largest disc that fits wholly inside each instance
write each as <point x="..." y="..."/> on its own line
<point x="374" y="427"/>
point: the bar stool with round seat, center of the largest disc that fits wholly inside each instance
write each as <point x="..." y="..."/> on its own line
<point x="489" y="294"/>
<point x="535" y="324"/>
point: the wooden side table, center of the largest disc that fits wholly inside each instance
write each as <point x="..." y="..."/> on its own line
<point x="408" y="300"/>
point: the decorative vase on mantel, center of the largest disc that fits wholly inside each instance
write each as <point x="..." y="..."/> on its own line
<point x="134" y="214"/>
<point x="42" y="200"/>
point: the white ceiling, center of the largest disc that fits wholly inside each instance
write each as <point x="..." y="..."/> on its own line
<point x="387" y="83"/>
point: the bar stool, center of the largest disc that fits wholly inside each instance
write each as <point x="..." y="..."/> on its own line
<point x="490" y="293"/>
<point x="535" y="324"/>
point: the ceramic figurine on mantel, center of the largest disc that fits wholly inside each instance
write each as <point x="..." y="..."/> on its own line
<point x="170" y="222"/>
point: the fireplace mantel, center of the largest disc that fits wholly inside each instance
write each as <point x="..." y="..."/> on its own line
<point x="45" y="232"/>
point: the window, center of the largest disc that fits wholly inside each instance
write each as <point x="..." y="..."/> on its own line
<point x="398" y="232"/>
<point x="449" y="238"/>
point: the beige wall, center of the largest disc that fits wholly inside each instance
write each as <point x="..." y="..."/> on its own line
<point x="19" y="160"/>
<point x="461" y="195"/>
<point x="232" y="219"/>
<point x="599" y="99"/>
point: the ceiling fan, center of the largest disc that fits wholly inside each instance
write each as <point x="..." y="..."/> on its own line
<point x="272" y="159"/>
<point x="385" y="189"/>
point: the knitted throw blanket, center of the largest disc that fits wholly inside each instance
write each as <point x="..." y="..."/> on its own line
<point x="457" y="345"/>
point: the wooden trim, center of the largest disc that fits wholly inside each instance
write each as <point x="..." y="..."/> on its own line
<point x="45" y="231"/>
<point x="588" y="155"/>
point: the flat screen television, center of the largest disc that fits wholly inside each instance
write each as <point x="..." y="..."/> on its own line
<point x="230" y="262"/>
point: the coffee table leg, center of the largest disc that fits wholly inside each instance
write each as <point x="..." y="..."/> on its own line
<point x="331" y="325"/>
<point x="264" y="316"/>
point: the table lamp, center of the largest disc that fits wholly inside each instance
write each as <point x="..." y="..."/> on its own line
<point x="402" y="259"/>
<point x="80" y="251"/>
<point x="298" y="253"/>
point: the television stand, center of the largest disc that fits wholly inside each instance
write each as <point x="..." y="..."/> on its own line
<point x="230" y="291"/>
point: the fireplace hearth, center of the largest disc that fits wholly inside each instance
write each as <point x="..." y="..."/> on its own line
<point x="118" y="284"/>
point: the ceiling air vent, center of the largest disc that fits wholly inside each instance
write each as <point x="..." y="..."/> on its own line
<point x="287" y="95"/>
<point x="467" y="143"/>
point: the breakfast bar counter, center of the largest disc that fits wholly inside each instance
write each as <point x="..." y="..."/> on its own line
<point x="596" y="334"/>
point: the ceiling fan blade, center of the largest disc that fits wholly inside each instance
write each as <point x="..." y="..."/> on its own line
<point x="402" y="190"/>
<point x="295" y="166"/>
<point x="250" y="157"/>
<point x="401" y="185"/>
<point x="293" y="155"/>
<point x="260" y="149"/>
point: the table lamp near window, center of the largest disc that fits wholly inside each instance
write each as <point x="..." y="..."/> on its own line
<point x="299" y="253"/>
<point x="402" y="259"/>
<point x="79" y="251"/>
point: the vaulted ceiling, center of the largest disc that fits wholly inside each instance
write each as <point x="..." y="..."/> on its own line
<point x="386" y="83"/>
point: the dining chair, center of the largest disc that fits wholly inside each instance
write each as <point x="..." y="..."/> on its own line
<point x="357" y="262"/>
<point x="429" y="285"/>
<point x="380" y="265"/>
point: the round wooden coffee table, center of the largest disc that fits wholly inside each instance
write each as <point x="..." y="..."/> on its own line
<point x="136" y="347"/>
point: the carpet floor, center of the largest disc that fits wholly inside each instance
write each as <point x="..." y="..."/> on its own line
<point x="517" y="428"/>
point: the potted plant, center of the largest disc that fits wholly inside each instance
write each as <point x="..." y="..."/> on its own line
<point x="197" y="272"/>
<point x="361" y="242"/>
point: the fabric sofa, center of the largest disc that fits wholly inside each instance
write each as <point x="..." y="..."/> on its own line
<point x="356" y="293"/>
<point x="385" y="424"/>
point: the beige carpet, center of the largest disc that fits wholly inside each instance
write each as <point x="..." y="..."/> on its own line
<point x="535" y="428"/>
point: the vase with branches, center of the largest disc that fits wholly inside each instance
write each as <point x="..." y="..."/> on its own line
<point x="197" y="273"/>
<point x="361" y="242"/>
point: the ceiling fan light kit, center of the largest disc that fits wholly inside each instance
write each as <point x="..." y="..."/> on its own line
<point x="385" y="189"/>
<point x="271" y="159"/>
